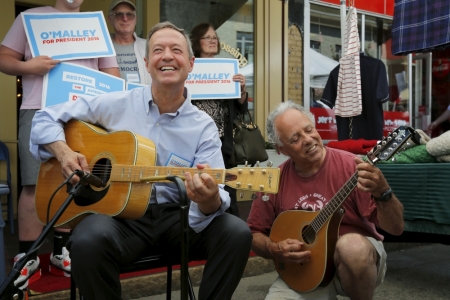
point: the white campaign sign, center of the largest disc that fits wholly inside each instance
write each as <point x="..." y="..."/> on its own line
<point x="211" y="78"/>
<point x="68" y="36"/>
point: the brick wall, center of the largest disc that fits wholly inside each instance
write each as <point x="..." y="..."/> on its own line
<point x="295" y="65"/>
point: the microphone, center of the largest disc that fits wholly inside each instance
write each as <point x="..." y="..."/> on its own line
<point x="90" y="179"/>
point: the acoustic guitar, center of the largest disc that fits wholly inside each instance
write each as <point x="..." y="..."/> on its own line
<point x="319" y="230"/>
<point x="123" y="160"/>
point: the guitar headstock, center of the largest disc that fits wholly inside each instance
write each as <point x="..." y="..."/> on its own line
<point x="391" y="144"/>
<point x="264" y="180"/>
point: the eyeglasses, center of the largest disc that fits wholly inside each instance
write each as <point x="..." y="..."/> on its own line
<point x="119" y="15"/>
<point x="209" y="38"/>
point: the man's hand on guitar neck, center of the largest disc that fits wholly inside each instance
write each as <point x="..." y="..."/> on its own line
<point x="69" y="159"/>
<point x="370" y="178"/>
<point x="203" y="190"/>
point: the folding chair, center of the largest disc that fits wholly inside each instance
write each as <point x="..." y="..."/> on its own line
<point x="5" y="185"/>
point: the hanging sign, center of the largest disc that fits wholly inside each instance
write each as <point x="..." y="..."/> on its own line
<point x="441" y="67"/>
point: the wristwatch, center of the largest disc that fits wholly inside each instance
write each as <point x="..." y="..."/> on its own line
<point x="385" y="197"/>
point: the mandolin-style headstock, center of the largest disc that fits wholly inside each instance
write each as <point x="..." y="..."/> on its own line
<point x="391" y="144"/>
<point x="258" y="179"/>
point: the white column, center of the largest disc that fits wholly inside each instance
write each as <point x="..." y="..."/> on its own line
<point x="343" y="15"/>
<point x="306" y="46"/>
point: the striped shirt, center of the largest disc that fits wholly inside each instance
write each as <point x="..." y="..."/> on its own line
<point x="348" y="101"/>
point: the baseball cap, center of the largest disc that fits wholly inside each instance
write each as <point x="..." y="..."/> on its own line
<point x="114" y="3"/>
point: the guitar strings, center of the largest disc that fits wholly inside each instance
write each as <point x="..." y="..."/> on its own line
<point x="317" y="223"/>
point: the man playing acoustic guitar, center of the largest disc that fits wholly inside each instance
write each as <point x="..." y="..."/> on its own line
<point x="183" y="136"/>
<point x="307" y="251"/>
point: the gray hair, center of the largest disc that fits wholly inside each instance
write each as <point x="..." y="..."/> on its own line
<point x="164" y="25"/>
<point x="272" y="133"/>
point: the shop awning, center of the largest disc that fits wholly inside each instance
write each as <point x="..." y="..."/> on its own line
<point x="420" y="26"/>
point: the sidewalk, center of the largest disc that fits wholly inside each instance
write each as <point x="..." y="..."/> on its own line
<point x="414" y="272"/>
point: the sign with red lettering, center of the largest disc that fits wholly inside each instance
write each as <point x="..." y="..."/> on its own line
<point x="325" y="123"/>
<point x="384" y="7"/>
<point x="327" y="128"/>
<point x="441" y="67"/>
<point x="67" y="82"/>
<point x="68" y="36"/>
<point x="393" y="120"/>
<point x="212" y="78"/>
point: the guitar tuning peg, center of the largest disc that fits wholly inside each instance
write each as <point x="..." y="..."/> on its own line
<point x="253" y="197"/>
<point x="246" y="163"/>
<point x="257" y="164"/>
<point x="394" y="159"/>
<point x="265" y="197"/>
<point x="241" y="194"/>
<point x="270" y="163"/>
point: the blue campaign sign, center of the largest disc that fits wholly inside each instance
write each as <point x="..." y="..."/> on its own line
<point x="68" y="36"/>
<point x="211" y="78"/>
<point x="66" y="82"/>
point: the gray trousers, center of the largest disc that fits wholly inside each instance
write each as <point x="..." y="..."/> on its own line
<point x="100" y="243"/>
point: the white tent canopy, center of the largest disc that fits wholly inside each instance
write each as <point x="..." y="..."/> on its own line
<point x="247" y="71"/>
<point x="320" y="67"/>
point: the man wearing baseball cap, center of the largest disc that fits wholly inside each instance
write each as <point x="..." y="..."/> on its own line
<point x="130" y="49"/>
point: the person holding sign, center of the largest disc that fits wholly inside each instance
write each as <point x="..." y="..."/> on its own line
<point x="16" y="59"/>
<point x="205" y="44"/>
<point x="130" y="49"/>
<point x="184" y="137"/>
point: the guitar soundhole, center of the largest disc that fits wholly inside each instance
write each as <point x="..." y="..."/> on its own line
<point x="88" y="196"/>
<point x="308" y="235"/>
<point x="102" y="169"/>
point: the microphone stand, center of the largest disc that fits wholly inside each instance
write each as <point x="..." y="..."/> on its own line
<point x="22" y="261"/>
<point x="184" y="223"/>
<point x="184" y="211"/>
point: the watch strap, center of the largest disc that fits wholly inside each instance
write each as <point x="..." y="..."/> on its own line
<point x="386" y="196"/>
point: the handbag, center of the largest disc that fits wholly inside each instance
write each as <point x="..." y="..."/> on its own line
<point x="249" y="145"/>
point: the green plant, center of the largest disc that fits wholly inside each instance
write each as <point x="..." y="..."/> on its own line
<point x="270" y="145"/>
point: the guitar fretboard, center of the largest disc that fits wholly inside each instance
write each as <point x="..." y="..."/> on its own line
<point x="335" y="203"/>
<point x="130" y="173"/>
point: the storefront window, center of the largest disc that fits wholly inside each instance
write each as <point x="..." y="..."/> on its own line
<point x="237" y="40"/>
<point x="327" y="49"/>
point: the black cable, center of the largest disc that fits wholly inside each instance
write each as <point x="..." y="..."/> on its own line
<point x="54" y="193"/>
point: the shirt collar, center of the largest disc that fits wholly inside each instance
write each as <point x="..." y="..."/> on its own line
<point x="148" y="97"/>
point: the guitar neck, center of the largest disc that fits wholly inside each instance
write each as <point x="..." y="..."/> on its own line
<point x="132" y="173"/>
<point x="384" y="150"/>
<point x="252" y="179"/>
<point x="335" y="203"/>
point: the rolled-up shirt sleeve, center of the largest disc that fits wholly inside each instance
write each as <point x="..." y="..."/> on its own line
<point x="198" y="221"/>
<point x="42" y="134"/>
